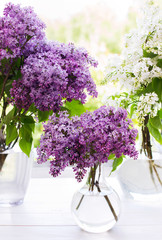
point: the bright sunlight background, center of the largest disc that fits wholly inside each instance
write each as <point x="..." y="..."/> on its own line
<point x="53" y="9"/>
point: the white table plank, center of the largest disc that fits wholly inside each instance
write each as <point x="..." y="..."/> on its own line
<point x="45" y="214"/>
<point x="74" y="233"/>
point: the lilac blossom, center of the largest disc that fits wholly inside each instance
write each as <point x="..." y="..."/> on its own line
<point x="87" y="140"/>
<point x="17" y="27"/>
<point x="50" y="72"/>
<point x="55" y="72"/>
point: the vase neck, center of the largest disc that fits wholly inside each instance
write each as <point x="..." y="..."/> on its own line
<point x="146" y="146"/>
<point x="95" y="177"/>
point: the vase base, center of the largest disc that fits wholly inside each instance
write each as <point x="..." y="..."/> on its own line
<point x="96" y="212"/>
<point x="11" y="204"/>
<point x="144" y="197"/>
<point x="95" y="228"/>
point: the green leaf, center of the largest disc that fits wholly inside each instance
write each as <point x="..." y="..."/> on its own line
<point x="111" y="156"/>
<point x="4" y="62"/>
<point x="160" y="113"/>
<point x="27" y="119"/>
<point x="1" y="83"/>
<point x="149" y="54"/>
<point x="75" y="107"/>
<point x="157" y="86"/>
<point x="9" y="116"/>
<point x="116" y="163"/>
<point x="156" y="122"/>
<point x="31" y="126"/>
<point x="17" y="74"/>
<point x="148" y="89"/>
<point x="25" y="132"/>
<point x="26" y="145"/>
<point x="32" y="108"/>
<point x="8" y="87"/>
<point x="155" y="132"/>
<point x="18" y="62"/>
<point x="64" y="109"/>
<point x="132" y="109"/>
<point x="1" y="124"/>
<point x="11" y="133"/>
<point x="26" y="138"/>
<point x="43" y="115"/>
<point x="159" y="63"/>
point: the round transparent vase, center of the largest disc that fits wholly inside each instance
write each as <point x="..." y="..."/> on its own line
<point x="96" y="207"/>
<point x="15" y="172"/>
<point x="141" y="179"/>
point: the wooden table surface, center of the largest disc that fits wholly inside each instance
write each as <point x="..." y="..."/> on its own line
<point x="45" y="214"/>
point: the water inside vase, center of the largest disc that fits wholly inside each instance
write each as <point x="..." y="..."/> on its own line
<point x="91" y="210"/>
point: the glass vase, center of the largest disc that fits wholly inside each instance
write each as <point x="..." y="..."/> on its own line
<point x="15" y="172"/>
<point x="141" y="179"/>
<point x="96" y="206"/>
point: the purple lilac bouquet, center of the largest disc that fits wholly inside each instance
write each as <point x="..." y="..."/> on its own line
<point x="37" y="76"/>
<point x="87" y="141"/>
<point x="56" y="72"/>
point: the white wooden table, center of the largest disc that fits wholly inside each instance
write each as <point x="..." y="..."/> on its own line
<point x="45" y="214"/>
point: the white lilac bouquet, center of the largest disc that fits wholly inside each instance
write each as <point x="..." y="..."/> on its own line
<point x="37" y="77"/>
<point x="139" y="73"/>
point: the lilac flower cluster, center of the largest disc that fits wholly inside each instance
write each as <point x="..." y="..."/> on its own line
<point x="87" y="140"/>
<point x="50" y="72"/>
<point x="57" y="71"/>
<point x="17" y="27"/>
